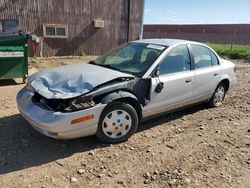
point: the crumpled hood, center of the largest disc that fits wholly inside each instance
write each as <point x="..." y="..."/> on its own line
<point x="70" y="81"/>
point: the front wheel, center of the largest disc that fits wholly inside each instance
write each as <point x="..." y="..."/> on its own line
<point x="117" y="123"/>
<point x="218" y="96"/>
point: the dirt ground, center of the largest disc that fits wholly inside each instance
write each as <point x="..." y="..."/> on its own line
<point x="195" y="147"/>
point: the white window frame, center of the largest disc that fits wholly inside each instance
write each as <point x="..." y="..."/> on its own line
<point x="55" y="26"/>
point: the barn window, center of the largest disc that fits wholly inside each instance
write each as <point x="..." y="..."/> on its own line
<point x="55" y="31"/>
<point x="9" y="26"/>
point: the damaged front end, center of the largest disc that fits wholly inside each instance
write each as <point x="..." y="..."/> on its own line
<point x="137" y="87"/>
<point x="79" y="116"/>
<point x="64" y="105"/>
<point x="55" y="117"/>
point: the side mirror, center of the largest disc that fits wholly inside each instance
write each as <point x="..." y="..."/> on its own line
<point x="156" y="72"/>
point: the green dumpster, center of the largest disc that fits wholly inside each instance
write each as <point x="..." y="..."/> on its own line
<point x="14" y="57"/>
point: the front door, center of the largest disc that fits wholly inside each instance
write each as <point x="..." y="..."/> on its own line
<point x="177" y="79"/>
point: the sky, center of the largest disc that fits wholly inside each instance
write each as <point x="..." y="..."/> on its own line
<point x="196" y="11"/>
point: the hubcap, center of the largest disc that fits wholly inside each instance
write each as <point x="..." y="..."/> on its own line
<point x="116" y="124"/>
<point x="219" y="96"/>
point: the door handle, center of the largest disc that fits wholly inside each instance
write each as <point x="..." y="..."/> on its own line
<point x="188" y="81"/>
<point x="216" y="74"/>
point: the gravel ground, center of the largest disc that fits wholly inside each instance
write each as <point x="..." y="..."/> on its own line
<point x="195" y="147"/>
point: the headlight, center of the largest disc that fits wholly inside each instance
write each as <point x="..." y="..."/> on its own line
<point x="66" y="105"/>
<point x="80" y="103"/>
<point x="29" y="87"/>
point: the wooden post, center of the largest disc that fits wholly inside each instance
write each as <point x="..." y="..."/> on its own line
<point x="233" y="34"/>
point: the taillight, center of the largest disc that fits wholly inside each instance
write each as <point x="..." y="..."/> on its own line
<point x="235" y="69"/>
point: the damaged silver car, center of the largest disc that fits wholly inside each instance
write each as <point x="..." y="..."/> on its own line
<point x="109" y="96"/>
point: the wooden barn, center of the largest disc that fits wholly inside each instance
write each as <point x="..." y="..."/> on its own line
<point x="73" y="27"/>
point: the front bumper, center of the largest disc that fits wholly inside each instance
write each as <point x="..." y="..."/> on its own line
<point x="57" y="124"/>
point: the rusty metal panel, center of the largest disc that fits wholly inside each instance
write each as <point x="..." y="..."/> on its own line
<point x="218" y="33"/>
<point x="210" y="28"/>
<point x="78" y="15"/>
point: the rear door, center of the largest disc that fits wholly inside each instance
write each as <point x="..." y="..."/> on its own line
<point x="177" y="78"/>
<point x="206" y="71"/>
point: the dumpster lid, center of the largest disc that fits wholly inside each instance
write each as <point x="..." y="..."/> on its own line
<point x="19" y="40"/>
<point x="11" y="48"/>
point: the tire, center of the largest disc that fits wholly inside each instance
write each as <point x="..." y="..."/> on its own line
<point x="218" y="96"/>
<point x="117" y="123"/>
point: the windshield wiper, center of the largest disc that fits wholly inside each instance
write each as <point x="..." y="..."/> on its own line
<point x="110" y="67"/>
<point x="101" y="65"/>
<point x="104" y="65"/>
<point x="93" y="63"/>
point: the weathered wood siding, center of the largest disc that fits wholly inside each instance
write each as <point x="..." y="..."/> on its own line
<point x="122" y="23"/>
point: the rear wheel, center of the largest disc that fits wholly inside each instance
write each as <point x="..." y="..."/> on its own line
<point x="218" y="96"/>
<point x="117" y="123"/>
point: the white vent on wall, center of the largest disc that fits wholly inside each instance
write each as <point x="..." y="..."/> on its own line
<point x="99" y="23"/>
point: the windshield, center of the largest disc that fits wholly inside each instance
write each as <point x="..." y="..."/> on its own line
<point x="133" y="58"/>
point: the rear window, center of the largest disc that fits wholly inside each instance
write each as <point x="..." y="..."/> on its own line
<point x="215" y="60"/>
<point x="202" y="57"/>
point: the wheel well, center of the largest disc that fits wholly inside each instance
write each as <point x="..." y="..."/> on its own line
<point x="134" y="103"/>
<point x="226" y="82"/>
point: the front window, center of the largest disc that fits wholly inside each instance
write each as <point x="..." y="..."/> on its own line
<point x="177" y="60"/>
<point x="132" y="58"/>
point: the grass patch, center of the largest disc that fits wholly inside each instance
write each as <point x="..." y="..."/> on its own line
<point x="234" y="52"/>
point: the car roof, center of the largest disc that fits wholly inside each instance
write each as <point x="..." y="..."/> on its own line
<point x="164" y="42"/>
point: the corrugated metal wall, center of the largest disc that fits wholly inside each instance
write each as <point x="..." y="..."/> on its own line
<point x="216" y="33"/>
<point x="122" y="23"/>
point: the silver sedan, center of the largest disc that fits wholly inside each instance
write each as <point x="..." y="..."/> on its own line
<point x="109" y="96"/>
